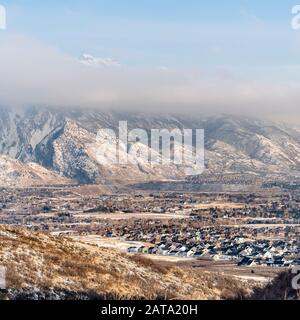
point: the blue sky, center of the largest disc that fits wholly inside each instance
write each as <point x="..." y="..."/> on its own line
<point x="171" y="33"/>
<point x="203" y="56"/>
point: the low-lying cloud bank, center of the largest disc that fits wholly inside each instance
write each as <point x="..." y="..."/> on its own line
<point x="35" y="74"/>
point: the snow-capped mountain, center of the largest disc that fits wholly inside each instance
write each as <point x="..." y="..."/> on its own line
<point x="14" y="173"/>
<point x="65" y="141"/>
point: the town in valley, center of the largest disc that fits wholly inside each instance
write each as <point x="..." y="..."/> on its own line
<point x="249" y="234"/>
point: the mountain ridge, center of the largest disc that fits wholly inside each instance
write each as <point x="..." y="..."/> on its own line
<point x="65" y="141"/>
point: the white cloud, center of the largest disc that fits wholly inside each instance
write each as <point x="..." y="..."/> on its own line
<point x="92" y="61"/>
<point x="32" y="73"/>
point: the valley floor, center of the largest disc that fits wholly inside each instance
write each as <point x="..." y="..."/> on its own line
<point x="58" y="243"/>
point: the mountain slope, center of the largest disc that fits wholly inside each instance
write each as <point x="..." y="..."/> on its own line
<point x="66" y="142"/>
<point x="14" y="173"/>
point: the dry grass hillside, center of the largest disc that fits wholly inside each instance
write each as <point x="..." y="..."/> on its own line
<point x="40" y="266"/>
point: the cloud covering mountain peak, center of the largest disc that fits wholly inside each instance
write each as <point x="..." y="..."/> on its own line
<point x="33" y="73"/>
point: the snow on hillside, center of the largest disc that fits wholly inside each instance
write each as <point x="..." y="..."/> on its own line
<point x="14" y="173"/>
<point x="65" y="141"/>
